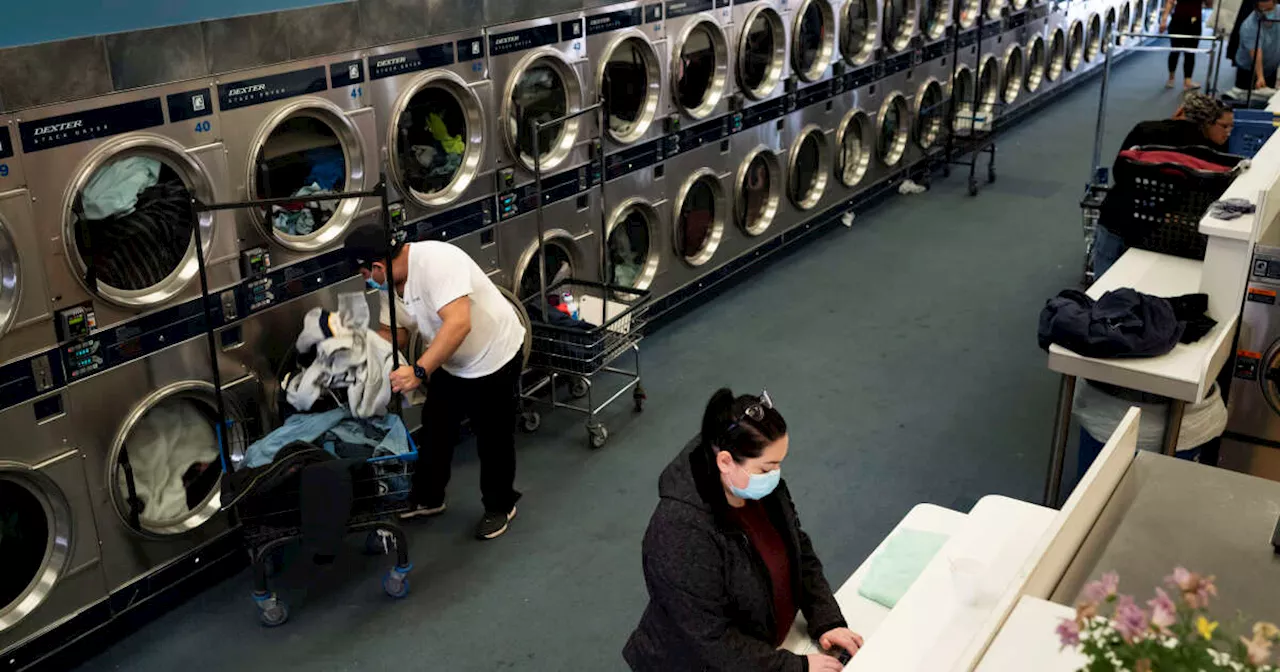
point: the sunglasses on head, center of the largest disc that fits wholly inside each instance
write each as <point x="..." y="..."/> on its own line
<point x="754" y="411"/>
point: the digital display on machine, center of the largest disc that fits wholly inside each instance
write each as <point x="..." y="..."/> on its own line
<point x="260" y="294"/>
<point x="83" y="358"/>
<point x="76" y="322"/>
<point x="103" y="122"/>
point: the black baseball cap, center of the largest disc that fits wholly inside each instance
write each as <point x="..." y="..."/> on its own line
<point x="368" y="244"/>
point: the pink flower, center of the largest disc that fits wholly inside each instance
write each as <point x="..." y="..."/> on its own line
<point x="1164" y="612"/>
<point x="1182" y="579"/>
<point x="1205" y="590"/>
<point x="1259" y="650"/>
<point x="1131" y="620"/>
<point x="1068" y="633"/>
<point x="1099" y="591"/>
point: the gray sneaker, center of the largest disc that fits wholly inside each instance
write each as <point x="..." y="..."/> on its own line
<point x="494" y="525"/>
<point x="423" y="511"/>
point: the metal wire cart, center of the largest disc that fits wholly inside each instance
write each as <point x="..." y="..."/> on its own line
<point x="612" y="324"/>
<point x="975" y="103"/>
<point x="266" y="501"/>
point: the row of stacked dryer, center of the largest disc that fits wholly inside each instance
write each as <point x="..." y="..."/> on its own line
<point x="728" y="126"/>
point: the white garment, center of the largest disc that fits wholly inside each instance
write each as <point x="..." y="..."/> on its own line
<point x="1100" y="413"/>
<point x="350" y="356"/>
<point x="403" y="318"/>
<point x="439" y="274"/>
<point x="170" y="439"/>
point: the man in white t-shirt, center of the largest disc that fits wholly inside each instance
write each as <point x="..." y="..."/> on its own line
<point x="471" y="367"/>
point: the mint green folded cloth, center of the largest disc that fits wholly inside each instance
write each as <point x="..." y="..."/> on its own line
<point x="899" y="565"/>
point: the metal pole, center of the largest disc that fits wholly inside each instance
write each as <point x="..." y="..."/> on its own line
<point x="381" y="189"/>
<point x="1173" y="426"/>
<point x="601" y="119"/>
<point x="210" y="338"/>
<point x="1058" y="450"/>
<point x="1102" y="113"/>
<point x="542" y="238"/>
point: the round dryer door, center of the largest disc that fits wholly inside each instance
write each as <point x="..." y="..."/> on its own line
<point x="930" y="104"/>
<point x="543" y="87"/>
<point x="1057" y="58"/>
<point x="858" y="31"/>
<point x="759" y="191"/>
<point x="895" y="120"/>
<point x="1012" y="84"/>
<point x="437" y="141"/>
<point x="10" y="278"/>
<point x="129" y="231"/>
<point x="967" y="12"/>
<point x="35" y="541"/>
<point x="810" y="165"/>
<point x="307" y="149"/>
<point x="853" y="157"/>
<point x="699" y="67"/>
<point x="1124" y="21"/>
<point x="165" y="467"/>
<point x="563" y="260"/>
<point x="633" y="252"/>
<point x="962" y="87"/>
<point x="700" y="216"/>
<point x="899" y="23"/>
<point x="994" y="7"/>
<point x="761" y="53"/>
<point x="935" y="18"/>
<point x="988" y="89"/>
<point x="1018" y="4"/>
<point x="1093" y="41"/>
<point x="630" y="81"/>
<point x="813" y="39"/>
<point x="1075" y="46"/>
<point x="1035" y="65"/>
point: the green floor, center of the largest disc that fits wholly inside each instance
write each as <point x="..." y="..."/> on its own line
<point x="902" y="353"/>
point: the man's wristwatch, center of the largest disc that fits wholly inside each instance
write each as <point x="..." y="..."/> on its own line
<point x="419" y="372"/>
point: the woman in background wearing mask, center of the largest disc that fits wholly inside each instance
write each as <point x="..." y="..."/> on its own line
<point x="725" y="561"/>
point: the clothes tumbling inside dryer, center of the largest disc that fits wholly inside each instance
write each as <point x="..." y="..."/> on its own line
<point x="629" y="248"/>
<point x="133" y="224"/>
<point x="169" y="464"/>
<point x="625" y="86"/>
<point x="696" y="69"/>
<point x="539" y="95"/>
<point x="301" y="157"/>
<point x="757" y="200"/>
<point x="24" y="538"/>
<point x="559" y="267"/>
<point x="433" y="138"/>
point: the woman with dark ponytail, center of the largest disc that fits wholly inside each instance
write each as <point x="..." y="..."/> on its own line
<point x="725" y="561"/>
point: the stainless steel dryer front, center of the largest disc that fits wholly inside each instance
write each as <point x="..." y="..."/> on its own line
<point x="52" y="569"/>
<point x="149" y="429"/>
<point x="936" y="19"/>
<point x="26" y="323"/>
<point x="900" y="23"/>
<point x="434" y="101"/>
<point x="1036" y="58"/>
<point x="628" y="50"/>
<point x="854" y="142"/>
<point x="111" y="179"/>
<point x="701" y="59"/>
<point x="573" y="247"/>
<point x="759" y="189"/>
<point x="813" y="39"/>
<point x="300" y="129"/>
<point x="1013" y="68"/>
<point x="539" y="69"/>
<point x="929" y="103"/>
<point x="1055" y="67"/>
<point x="761" y="38"/>
<point x="1093" y="41"/>
<point x="638" y="225"/>
<point x="700" y="199"/>
<point x="859" y="32"/>
<point x="810" y="139"/>
<point x="894" y="123"/>
<point x="1075" y="30"/>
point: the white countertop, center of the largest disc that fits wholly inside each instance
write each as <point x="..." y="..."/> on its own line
<point x="1187" y="371"/>
<point x="1028" y="641"/>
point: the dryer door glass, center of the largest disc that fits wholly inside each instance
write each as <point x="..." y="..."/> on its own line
<point x="10" y="267"/>
<point x="893" y="131"/>
<point x="853" y="157"/>
<point x="696" y="70"/>
<point x="962" y="88"/>
<point x="811" y="41"/>
<point x="630" y="90"/>
<point x="1035" y="65"/>
<point x="1124" y="21"/>
<point x="133" y="227"/>
<point x="539" y="95"/>
<point x="987" y="90"/>
<point x="1057" y="56"/>
<point x="807" y="179"/>
<point x="758" y="194"/>
<point x="1109" y="30"/>
<point x="431" y="141"/>
<point x="26" y="534"/>
<point x="1012" y="84"/>
<point x="935" y="17"/>
<point x="759" y="69"/>
<point x="167" y="470"/>
<point x="929" y="115"/>
<point x="1075" y="46"/>
<point x="631" y="259"/>
<point x="697" y="225"/>
<point x="301" y="157"/>
<point x="1093" y="43"/>
<point x="560" y="265"/>
<point x="856" y="32"/>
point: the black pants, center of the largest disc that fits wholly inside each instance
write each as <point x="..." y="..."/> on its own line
<point x="1189" y="25"/>
<point x="490" y="403"/>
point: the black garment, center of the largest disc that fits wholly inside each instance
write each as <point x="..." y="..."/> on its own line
<point x="1123" y="323"/>
<point x="1245" y="78"/>
<point x="325" y="495"/>
<point x="491" y="403"/>
<point x="710" y="598"/>
<point x="1184" y="22"/>
<point x="768" y="543"/>
<point x="1167" y="133"/>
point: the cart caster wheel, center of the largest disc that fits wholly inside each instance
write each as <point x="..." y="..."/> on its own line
<point x="578" y="388"/>
<point x="597" y="436"/>
<point x="530" y="421"/>
<point x="639" y="397"/>
<point x="395" y="586"/>
<point x="973" y="187"/>
<point x="272" y="612"/>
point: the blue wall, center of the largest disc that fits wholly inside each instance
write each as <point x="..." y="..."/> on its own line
<point x="31" y="21"/>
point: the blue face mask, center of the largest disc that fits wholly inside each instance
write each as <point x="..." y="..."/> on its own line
<point x="759" y="486"/>
<point x="374" y="285"/>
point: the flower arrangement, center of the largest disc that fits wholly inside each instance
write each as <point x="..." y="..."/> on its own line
<point x="1174" y="634"/>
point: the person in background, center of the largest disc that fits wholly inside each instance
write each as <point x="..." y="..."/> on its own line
<point x="471" y="367"/>
<point x="1201" y="120"/>
<point x="725" y="560"/>
<point x="1182" y="17"/>
<point x="1256" y="67"/>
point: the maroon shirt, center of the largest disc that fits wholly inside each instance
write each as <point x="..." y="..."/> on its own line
<point x="754" y="520"/>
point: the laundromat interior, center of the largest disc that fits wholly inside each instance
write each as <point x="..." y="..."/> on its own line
<point x="745" y="169"/>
